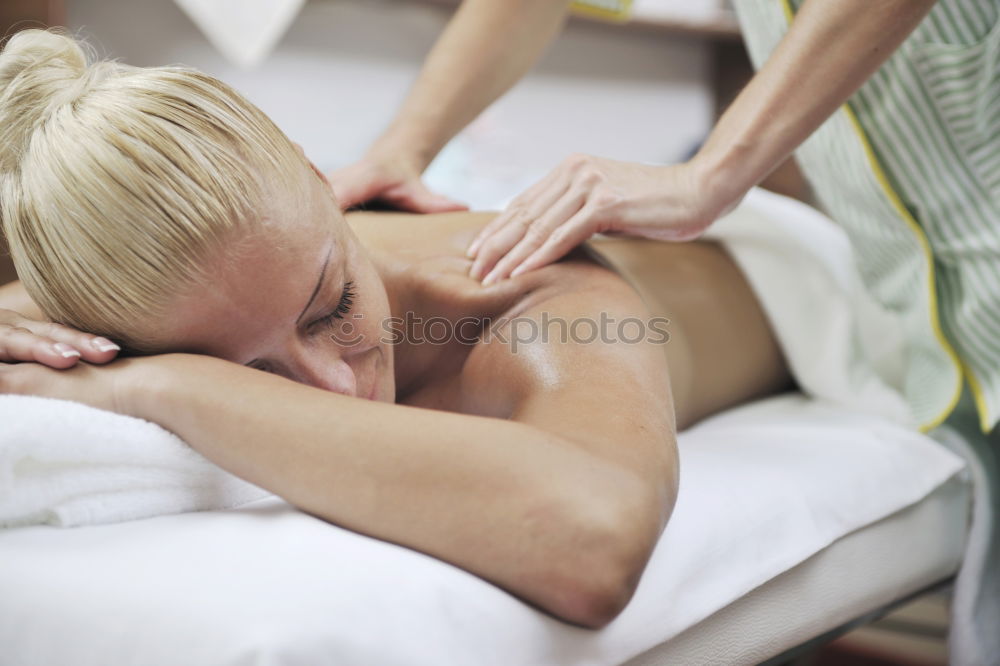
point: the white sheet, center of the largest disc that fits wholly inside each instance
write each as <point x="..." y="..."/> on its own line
<point x="873" y="567"/>
<point x="763" y="488"/>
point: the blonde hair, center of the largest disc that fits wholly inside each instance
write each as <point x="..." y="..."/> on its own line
<point x="118" y="183"/>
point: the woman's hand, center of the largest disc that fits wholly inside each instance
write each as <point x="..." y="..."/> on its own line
<point x="586" y="195"/>
<point x="54" y="345"/>
<point x="393" y="181"/>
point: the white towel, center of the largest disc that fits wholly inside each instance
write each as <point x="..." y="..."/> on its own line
<point x="244" y="31"/>
<point x="64" y="463"/>
<point x="838" y="343"/>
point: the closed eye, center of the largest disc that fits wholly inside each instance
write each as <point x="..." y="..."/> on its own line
<point x="347" y="297"/>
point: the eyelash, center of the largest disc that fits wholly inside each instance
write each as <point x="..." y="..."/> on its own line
<point x="343" y="307"/>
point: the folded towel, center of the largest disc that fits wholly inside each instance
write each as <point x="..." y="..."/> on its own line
<point x="244" y="31"/>
<point x="67" y="464"/>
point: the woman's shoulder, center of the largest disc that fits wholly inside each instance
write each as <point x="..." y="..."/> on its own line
<point x="429" y="252"/>
<point x="411" y="234"/>
<point x="443" y="238"/>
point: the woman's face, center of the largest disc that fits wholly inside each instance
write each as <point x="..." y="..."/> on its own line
<point x="299" y="298"/>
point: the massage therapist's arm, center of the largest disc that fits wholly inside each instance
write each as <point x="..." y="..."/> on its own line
<point x="486" y="47"/>
<point x="830" y="50"/>
<point x="562" y="504"/>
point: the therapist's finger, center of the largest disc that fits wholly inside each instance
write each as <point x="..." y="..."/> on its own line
<point x="529" y="204"/>
<point x="497" y="246"/>
<point x="351" y="188"/>
<point x="567" y="236"/>
<point x="416" y="197"/>
<point x="491" y="228"/>
<point x="537" y="233"/>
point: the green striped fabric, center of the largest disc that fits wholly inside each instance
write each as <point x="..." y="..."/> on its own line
<point x="910" y="167"/>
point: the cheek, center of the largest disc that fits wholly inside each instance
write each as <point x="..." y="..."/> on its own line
<point x="362" y="328"/>
<point x="373" y="304"/>
<point x="370" y="325"/>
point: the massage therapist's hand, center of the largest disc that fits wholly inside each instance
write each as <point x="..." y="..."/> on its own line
<point x="586" y="195"/>
<point x="393" y="181"/>
<point x="54" y="345"/>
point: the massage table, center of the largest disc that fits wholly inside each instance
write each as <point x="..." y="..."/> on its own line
<point x="795" y="518"/>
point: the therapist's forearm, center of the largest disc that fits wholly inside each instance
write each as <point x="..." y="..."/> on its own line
<point x="484" y="50"/>
<point x="830" y="50"/>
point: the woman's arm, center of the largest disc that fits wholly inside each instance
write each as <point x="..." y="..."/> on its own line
<point x="521" y="507"/>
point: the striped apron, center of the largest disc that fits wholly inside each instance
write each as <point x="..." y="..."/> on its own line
<point x="910" y="167"/>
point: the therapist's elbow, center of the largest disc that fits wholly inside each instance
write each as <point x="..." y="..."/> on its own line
<point x="598" y="579"/>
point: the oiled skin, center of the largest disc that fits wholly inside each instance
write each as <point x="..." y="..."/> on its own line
<point x="721" y="350"/>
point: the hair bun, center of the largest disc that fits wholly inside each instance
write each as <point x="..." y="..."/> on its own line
<point x="40" y="70"/>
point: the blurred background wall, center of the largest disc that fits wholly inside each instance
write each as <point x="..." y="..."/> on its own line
<point x="337" y="75"/>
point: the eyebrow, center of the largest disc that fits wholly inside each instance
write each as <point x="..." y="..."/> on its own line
<point x="312" y="297"/>
<point x="319" y="283"/>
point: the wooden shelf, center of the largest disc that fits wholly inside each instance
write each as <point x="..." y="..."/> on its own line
<point x="20" y="14"/>
<point x="721" y="25"/>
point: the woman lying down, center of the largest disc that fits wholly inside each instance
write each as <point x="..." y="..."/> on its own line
<point x="523" y="431"/>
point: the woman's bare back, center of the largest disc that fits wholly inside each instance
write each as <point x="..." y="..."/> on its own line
<point x="721" y="350"/>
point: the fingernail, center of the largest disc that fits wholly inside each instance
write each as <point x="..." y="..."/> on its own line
<point x="103" y="344"/>
<point x="517" y="271"/>
<point x="64" y="350"/>
<point x="489" y="279"/>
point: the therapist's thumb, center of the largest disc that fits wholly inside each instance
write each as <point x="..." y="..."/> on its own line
<point x="349" y="189"/>
<point x="415" y="196"/>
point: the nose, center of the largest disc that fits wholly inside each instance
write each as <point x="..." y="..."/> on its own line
<point x="325" y="369"/>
